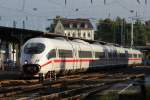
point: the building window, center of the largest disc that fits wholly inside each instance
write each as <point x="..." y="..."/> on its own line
<point x="89" y="35"/>
<point x="84" y="34"/>
<point x="66" y="25"/>
<point x="71" y="25"/>
<point x="74" y="25"/>
<point x="79" y="34"/>
<point x="78" y="25"/>
<point x="69" y="34"/>
<point x="85" y="26"/>
<point x="82" y="25"/>
<point x="73" y="34"/>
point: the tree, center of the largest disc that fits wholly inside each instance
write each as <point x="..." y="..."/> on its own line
<point x="119" y="31"/>
<point x="139" y="33"/>
<point x="104" y="30"/>
<point x="147" y="33"/>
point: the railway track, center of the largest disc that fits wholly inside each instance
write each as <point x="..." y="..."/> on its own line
<point x="6" y="90"/>
<point x="66" y="87"/>
<point x="86" y="90"/>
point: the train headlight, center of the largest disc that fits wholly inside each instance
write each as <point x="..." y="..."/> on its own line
<point x="25" y="62"/>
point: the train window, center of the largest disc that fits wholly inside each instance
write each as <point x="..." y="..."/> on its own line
<point x="110" y="55"/>
<point x="85" y="54"/>
<point x="34" y="48"/>
<point x="130" y="56"/>
<point x="135" y="55"/>
<point x="141" y="55"/>
<point x="102" y="55"/>
<point x="117" y="55"/>
<point x="65" y="53"/>
<point x="99" y="55"/>
<point x="114" y="54"/>
<point x="122" y="55"/>
<point x="51" y="54"/>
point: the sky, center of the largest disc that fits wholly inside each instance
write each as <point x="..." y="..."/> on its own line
<point x="36" y="12"/>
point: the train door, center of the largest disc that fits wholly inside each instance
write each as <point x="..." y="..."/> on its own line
<point x="72" y="63"/>
<point x="66" y="59"/>
<point x="79" y="59"/>
<point x="59" y="64"/>
<point x="126" y="57"/>
<point x="106" y="56"/>
<point x="111" y="57"/>
<point x="77" y="63"/>
<point x="102" y="58"/>
<point x="61" y="61"/>
<point x="74" y="60"/>
<point x="115" y="57"/>
<point x="2" y="60"/>
<point x="55" y="65"/>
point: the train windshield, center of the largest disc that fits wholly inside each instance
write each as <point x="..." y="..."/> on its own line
<point x="34" y="48"/>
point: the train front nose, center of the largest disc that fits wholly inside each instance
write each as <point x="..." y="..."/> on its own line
<point x="31" y="68"/>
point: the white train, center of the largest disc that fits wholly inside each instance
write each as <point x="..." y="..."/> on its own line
<point x="44" y="55"/>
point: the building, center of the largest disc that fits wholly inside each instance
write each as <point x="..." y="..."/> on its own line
<point x="11" y="40"/>
<point x="77" y="28"/>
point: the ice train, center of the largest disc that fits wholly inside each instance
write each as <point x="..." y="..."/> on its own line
<point x="44" y="55"/>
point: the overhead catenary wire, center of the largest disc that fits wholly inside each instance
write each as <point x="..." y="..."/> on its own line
<point x="104" y="2"/>
<point x="23" y="5"/>
<point x="72" y="10"/>
<point x="65" y="2"/>
<point x="138" y="1"/>
<point x="146" y="2"/>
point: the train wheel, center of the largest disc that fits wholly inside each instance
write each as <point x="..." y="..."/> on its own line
<point x="55" y="75"/>
<point x="48" y="75"/>
<point x="41" y="77"/>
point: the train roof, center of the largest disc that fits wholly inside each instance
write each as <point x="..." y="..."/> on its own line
<point x="59" y="40"/>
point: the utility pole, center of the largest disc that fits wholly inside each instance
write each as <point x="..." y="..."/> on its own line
<point x="23" y="5"/>
<point x="132" y="27"/>
<point x="132" y="33"/>
<point x="122" y="40"/>
<point x="131" y="44"/>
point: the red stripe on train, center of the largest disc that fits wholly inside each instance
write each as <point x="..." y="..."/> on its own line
<point x="134" y="58"/>
<point x="46" y="63"/>
<point x="75" y="60"/>
<point x="67" y="60"/>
